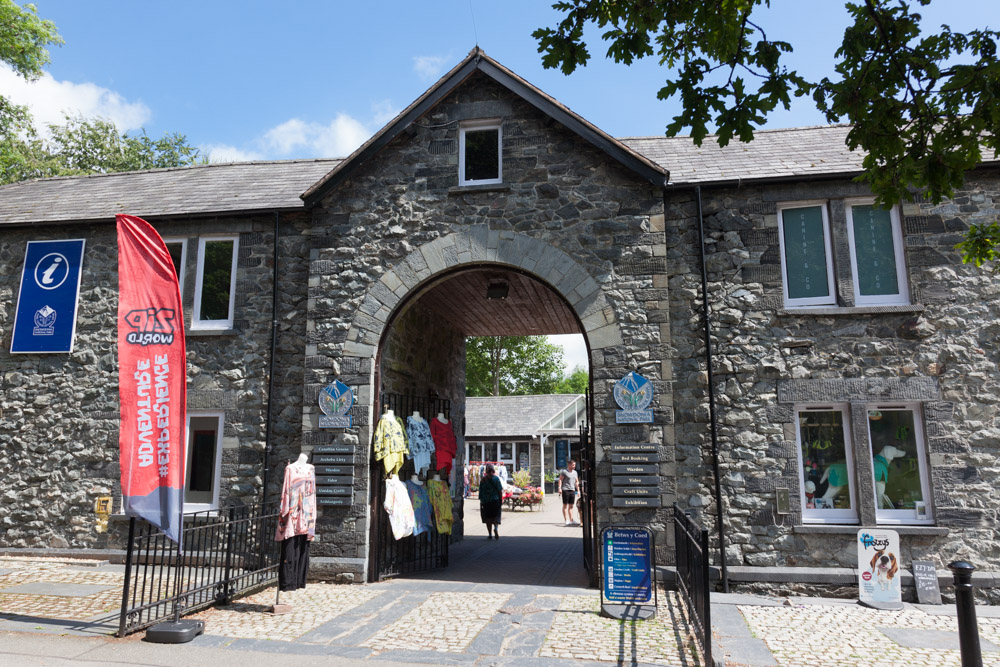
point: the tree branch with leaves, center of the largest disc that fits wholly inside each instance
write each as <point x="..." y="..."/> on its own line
<point x="924" y="105"/>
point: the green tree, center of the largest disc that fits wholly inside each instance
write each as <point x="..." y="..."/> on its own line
<point x="85" y="146"/>
<point x="577" y="382"/>
<point x="23" y="41"/>
<point x="923" y="104"/>
<point x="511" y="365"/>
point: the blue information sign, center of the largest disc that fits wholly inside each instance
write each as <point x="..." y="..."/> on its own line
<point x="46" y="305"/>
<point x="628" y="565"/>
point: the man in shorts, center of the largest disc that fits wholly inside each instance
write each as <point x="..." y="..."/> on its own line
<point x="569" y="485"/>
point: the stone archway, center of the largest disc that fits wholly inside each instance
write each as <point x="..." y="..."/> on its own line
<point x="481" y="245"/>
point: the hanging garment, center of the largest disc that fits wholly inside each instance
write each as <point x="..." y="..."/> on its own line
<point x="397" y="505"/>
<point x="502" y="474"/>
<point x="421" y="442"/>
<point x="437" y="489"/>
<point x="297" y="514"/>
<point x="445" y="445"/>
<point x="390" y="443"/>
<point x="294" y="563"/>
<point x="421" y="508"/>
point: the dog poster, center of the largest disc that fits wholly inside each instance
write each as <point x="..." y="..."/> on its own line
<point x="879" y="568"/>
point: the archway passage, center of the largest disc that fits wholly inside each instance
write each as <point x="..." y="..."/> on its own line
<point x="421" y="364"/>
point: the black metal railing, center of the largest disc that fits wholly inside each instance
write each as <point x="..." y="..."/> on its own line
<point x="588" y="505"/>
<point x="390" y="557"/>
<point x="227" y="554"/>
<point x="693" y="580"/>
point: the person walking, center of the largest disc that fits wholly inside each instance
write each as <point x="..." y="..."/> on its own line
<point x="490" y="493"/>
<point x="569" y="484"/>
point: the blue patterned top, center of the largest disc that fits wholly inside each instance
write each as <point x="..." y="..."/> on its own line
<point x="421" y="508"/>
<point x="421" y="442"/>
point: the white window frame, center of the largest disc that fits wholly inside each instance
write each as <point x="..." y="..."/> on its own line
<point x="477" y="126"/>
<point x="828" y="516"/>
<point x="196" y="321"/>
<point x="903" y="297"/>
<point x="807" y="302"/>
<point x="217" y="473"/>
<point x="908" y="517"/>
<point x="184" y="250"/>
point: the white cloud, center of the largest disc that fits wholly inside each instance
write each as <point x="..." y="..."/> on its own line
<point x="50" y="101"/>
<point x="226" y="153"/>
<point x="338" y="138"/>
<point x="429" y="67"/>
<point x="574" y="350"/>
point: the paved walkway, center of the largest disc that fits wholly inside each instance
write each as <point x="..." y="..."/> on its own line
<point x="519" y="600"/>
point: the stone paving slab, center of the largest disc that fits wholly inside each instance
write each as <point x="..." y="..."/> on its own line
<point x="924" y="638"/>
<point x="60" y="590"/>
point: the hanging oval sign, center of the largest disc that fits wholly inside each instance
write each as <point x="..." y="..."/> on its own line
<point x="633" y="394"/>
<point x="336" y="400"/>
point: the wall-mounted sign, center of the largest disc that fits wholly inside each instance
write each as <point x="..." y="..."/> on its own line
<point x="45" y="320"/>
<point x="336" y="400"/>
<point x="633" y="394"/>
<point x="878" y="569"/>
<point x="627" y="558"/>
<point x="635" y="503"/>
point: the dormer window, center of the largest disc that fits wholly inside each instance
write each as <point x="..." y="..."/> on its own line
<point x="480" y="160"/>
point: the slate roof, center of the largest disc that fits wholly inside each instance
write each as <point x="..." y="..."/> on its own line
<point x="215" y="188"/>
<point x="511" y="416"/>
<point x="800" y="152"/>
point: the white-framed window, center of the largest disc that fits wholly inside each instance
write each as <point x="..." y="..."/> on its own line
<point x="480" y="152"/>
<point x="826" y="464"/>
<point x="877" y="261"/>
<point x="203" y="465"/>
<point x="178" y="254"/>
<point x="899" y="464"/>
<point x="215" y="283"/>
<point x="806" y="255"/>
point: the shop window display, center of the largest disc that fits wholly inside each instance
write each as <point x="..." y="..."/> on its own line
<point x="898" y="469"/>
<point x="827" y="479"/>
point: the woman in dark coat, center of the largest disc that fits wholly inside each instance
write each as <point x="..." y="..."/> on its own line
<point x="490" y="493"/>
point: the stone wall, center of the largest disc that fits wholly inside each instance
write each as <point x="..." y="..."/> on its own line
<point x="566" y="213"/>
<point x="59" y="413"/>
<point x="941" y="352"/>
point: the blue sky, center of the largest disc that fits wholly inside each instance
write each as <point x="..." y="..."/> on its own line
<point x="275" y="80"/>
<point x="269" y="80"/>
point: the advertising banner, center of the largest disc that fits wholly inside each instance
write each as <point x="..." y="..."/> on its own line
<point x="45" y="320"/>
<point x="152" y="376"/>
<point x="878" y="569"/>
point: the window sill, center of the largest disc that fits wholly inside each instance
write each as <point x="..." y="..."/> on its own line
<point x="831" y="529"/>
<point x="197" y="333"/>
<point x="853" y="310"/>
<point x="466" y="189"/>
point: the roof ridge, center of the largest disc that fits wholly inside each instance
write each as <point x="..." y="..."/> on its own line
<point x="756" y="132"/>
<point x="158" y="170"/>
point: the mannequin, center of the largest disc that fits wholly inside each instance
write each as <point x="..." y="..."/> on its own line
<point x="390" y="414"/>
<point x="881" y="464"/>
<point x="416" y="414"/>
<point x="296" y="527"/>
<point x="837" y="476"/>
<point x="415" y="479"/>
<point x="437" y="477"/>
<point x="441" y="418"/>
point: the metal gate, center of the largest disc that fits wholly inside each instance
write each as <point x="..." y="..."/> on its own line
<point x="389" y="557"/>
<point x="588" y="495"/>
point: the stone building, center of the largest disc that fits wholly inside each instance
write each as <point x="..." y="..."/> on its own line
<point x="836" y="329"/>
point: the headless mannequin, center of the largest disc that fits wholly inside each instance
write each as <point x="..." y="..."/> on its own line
<point x="303" y="460"/>
<point x="416" y="415"/>
<point x="389" y="414"/>
<point x="437" y="477"/>
<point x="279" y="608"/>
<point x="441" y="418"/>
<point x="416" y="480"/>
<point x="888" y="453"/>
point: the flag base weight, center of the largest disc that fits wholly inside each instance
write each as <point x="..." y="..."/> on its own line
<point x="279" y="609"/>
<point x="175" y="632"/>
